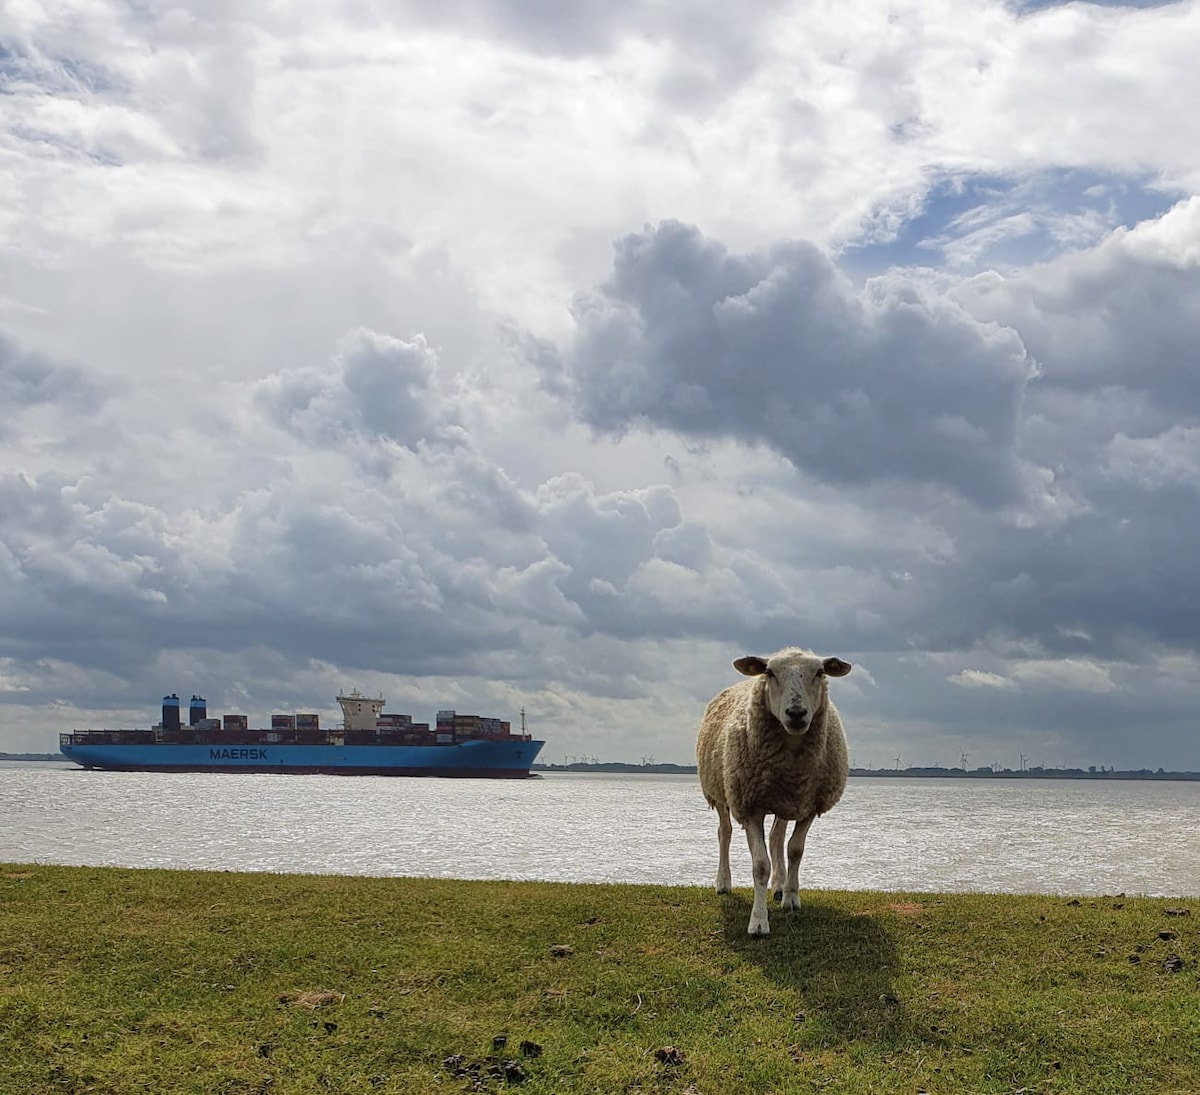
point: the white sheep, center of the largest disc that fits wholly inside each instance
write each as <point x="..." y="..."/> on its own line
<point x="773" y="744"/>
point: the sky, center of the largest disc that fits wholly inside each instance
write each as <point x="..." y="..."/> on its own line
<point x="511" y="354"/>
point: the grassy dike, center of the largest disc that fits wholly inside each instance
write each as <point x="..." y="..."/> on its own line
<point x="118" y="980"/>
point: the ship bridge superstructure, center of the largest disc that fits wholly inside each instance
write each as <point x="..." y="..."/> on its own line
<point x="358" y="711"/>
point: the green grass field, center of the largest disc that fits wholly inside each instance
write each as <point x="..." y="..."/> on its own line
<point x="178" y="981"/>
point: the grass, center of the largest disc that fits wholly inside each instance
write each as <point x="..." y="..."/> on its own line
<point x="116" y="981"/>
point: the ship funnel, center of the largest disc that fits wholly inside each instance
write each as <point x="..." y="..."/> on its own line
<point x="170" y="712"/>
<point x="197" y="711"/>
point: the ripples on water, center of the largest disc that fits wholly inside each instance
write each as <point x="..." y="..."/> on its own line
<point x="1046" y="836"/>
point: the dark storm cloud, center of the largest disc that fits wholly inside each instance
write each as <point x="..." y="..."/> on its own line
<point x="777" y="348"/>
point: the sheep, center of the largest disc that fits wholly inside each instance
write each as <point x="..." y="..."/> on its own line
<point x="772" y="744"/>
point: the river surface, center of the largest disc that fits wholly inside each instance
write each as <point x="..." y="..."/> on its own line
<point x="1043" y="836"/>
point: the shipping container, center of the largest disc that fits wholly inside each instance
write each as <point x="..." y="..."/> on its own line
<point x="236" y="722"/>
<point x="283" y="722"/>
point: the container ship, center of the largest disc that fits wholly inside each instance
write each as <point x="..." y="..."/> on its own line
<point x="369" y="742"/>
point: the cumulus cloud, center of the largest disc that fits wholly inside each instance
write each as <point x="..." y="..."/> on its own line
<point x="1120" y="314"/>
<point x="776" y="348"/>
<point x="378" y="386"/>
<point x="1172" y="459"/>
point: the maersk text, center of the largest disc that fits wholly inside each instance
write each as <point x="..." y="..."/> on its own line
<point x="237" y="754"/>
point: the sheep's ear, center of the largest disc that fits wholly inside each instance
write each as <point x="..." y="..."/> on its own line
<point x="835" y="667"/>
<point x="751" y="665"/>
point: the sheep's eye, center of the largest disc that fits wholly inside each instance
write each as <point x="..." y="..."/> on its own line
<point x="771" y="673"/>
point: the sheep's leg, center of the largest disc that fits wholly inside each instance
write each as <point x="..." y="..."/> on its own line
<point x="791" y="894"/>
<point x="778" y="862"/>
<point x="762" y="873"/>
<point x="724" y="833"/>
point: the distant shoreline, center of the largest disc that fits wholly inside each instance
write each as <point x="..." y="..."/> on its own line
<point x="1028" y="773"/>
<point x="896" y="773"/>
<point x="625" y="768"/>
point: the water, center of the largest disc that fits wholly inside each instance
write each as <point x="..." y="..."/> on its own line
<point x="1045" y="836"/>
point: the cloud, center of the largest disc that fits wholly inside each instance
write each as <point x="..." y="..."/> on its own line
<point x="1121" y="313"/>
<point x="385" y="538"/>
<point x="1172" y="459"/>
<point x="980" y="678"/>
<point x="1041" y="5"/>
<point x="30" y="380"/>
<point x="776" y="348"/>
<point x="1005" y="222"/>
<point x="379" y="386"/>
<point x="1070" y="673"/>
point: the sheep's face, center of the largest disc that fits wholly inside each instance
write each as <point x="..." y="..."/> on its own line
<point x="795" y="684"/>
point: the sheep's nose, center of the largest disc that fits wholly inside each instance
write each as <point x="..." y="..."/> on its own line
<point x="796" y="714"/>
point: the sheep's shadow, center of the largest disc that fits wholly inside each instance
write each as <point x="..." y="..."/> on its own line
<point x="841" y="964"/>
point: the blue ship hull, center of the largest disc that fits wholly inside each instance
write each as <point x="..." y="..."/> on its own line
<point x="490" y="759"/>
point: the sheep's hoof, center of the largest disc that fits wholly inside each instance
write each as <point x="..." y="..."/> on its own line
<point x="724" y="889"/>
<point x="758" y="930"/>
<point x="778" y="895"/>
<point x="791" y="903"/>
